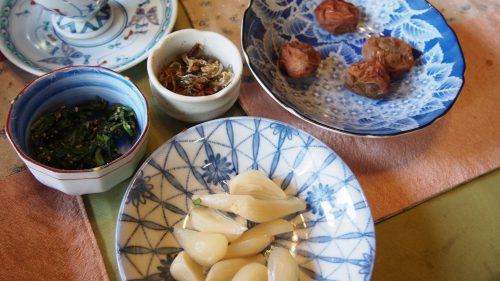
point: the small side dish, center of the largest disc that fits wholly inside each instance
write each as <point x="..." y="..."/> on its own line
<point x="220" y="242"/>
<point x="394" y="54"/>
<point x="195" y="74"/>
<point x="83" y="136"/>
<point x="198" y="104"/>
<point x="337" y="16"/>
<point x="298" y="59"/>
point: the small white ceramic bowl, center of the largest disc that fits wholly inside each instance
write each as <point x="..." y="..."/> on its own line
<point x="69" y="86"/>
<point x="187" y="108"/>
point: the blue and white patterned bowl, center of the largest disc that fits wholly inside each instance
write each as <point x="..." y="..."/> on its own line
<point x="335" y="235"/>
<point x="426" y="93"/>
<point x="29" y="40"/>
<point x="70" y="86"/>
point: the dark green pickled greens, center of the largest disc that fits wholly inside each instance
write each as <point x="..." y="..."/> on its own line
<point x="82" y="136"/>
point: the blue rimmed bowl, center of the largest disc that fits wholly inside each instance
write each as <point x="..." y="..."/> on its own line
<point x="71" y="86"/>
<point x="334" y="239"/>
<point x="419" y="98"/>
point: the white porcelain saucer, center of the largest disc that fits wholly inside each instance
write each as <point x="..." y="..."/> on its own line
<point x="28" y="39"/>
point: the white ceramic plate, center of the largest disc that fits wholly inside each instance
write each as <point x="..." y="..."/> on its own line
<point x="334" y="238"/>
<point x="28" y="39"/>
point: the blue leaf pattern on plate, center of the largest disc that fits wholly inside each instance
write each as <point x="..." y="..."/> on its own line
<point x="435" y="80"/>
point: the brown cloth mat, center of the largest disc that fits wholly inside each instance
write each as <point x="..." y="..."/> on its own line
<point x="45" y="234"/>
<point x="12" y="80"/>
<point x="399" y="172"/>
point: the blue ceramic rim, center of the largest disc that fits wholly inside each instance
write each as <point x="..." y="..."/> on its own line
<point x="304" y="117"/>
<point x="249" y="118"/>
<point x="139" y="140"/>
<point x="12" y="54"/>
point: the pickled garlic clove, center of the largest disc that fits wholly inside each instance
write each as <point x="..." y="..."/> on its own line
<point x="251" y="272"/>
<point x="248" y="247"/>
<point x="282" y="266"/>
<point x="270" y="228"/>
<point x="225" y="270"/>
<point x="205" y="248"/>
<point x="253" y="209"/>
<point x="183" y="268"/>
<point x="258" y="238"/>
<point x="212" y="221"/>
<point x="256" y="184"/>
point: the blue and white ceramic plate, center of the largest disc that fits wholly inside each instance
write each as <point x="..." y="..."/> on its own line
<point x="426" y="93"/>
<point x="29" y="41"/>
<point x="335" y="235"/>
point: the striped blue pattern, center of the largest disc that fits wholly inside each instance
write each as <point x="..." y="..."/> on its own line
<point x="335" y="238"/>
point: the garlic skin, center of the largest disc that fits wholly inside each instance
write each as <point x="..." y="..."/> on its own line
<point x="256" y="184"/>
<point x="211" y="221"/>
<point x="225" y="270"/>
<point x="282" y="266"/>
<point x="256" y="210"/>
<point x="204" y="248"/>
<point x="251" y="272"/>
<point x="248" y="247"/>
<point x="183" y="268"/>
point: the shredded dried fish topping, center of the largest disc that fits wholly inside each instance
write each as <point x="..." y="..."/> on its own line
<point x="195" y="74"/>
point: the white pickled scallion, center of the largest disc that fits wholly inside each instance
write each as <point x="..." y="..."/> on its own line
<point x="270" y="228"/>
<point x="212" y="221"/>
<point x="248" y="247"/>
<point x="253" y="209"/>
<point x="225" y="270"/>
<point x="251" y="272"/>
<point x="256" y="184"/>
<point x="205" y="248"/>
<point x="183" y="268"/>
<point x="281" y="266"/>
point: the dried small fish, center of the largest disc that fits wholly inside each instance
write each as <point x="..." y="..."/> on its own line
<point x="194" y="74"/>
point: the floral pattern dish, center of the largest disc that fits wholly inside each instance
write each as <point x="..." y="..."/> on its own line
<point x="29" y="41"/>
<point x="423" y="95"/>
<point x="334" y="238"/>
